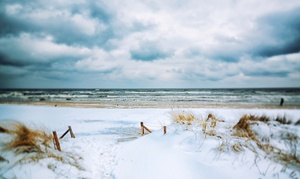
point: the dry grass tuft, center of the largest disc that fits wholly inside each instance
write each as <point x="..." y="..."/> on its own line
<point x="212" y="119"/>
<point x="237" y="147"/>
<point x="286" y="155"/>
<point x="26" y="140"/>
<point x="252" y="132"/>
<point x="283" y="120"/>
<point x="185" y="118"/>
<point x="243" y="128"/>
<point x="33" y="145"/>
<point x="208" y="124"/>
<point x="66" y="158"/>
<point x="224" y="146"/>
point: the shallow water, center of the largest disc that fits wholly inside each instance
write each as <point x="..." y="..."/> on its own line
<point x="257" y="97"/>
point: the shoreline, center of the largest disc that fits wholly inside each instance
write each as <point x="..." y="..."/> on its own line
<point x="130" y="106"/>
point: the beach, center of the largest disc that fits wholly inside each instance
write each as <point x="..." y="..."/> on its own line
<point x="150" y="89"/>
<point x="158" y="105"/>
<point x="109" y="144"/>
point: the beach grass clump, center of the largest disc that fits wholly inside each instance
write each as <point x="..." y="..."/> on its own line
<point x="209" y="125"/>
<point x="267" y="137"/>
<point x="228" y="144"/>
<point x="237" y="147"/>
<point x="212" y="119"/>
<point x="286" y="153"/>
<point x="283" y="120"/>
<point x="289" y="154"/>
<point x="25" y="139"/>
<point x="187" y="118"/>
<point x="243" y="127"/>
<point x="32" y="145"/>
<point x="183" y="117"/>
<point x="280" y="146"/>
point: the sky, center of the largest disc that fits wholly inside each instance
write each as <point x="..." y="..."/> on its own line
<point x="149" y="44"/>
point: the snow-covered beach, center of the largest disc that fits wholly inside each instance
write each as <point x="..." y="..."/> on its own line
<point x="150" y="89"/>
<point x="108" y="144"/>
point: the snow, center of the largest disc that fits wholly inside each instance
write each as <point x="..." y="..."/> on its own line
<point x="108" y="144"/>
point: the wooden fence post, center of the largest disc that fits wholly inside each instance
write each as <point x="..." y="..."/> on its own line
<point x="56" y="141"/>
<point x="165" y="129"/>
<point x="142" y="128"/>
<point x="71" y="132"/>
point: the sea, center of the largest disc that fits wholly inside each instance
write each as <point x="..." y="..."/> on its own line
<point x="156" y="97"/>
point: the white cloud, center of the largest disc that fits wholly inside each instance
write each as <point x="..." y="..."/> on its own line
<point x="195" y="42"/>
<point x="61" y="19"/>
<point x="13" y="9"/>
<point x="28" y="48"/>
<point x="99" y="60"/>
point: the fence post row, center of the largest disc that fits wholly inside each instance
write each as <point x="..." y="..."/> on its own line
<point x="56" y="144"/>
<point x="143" y="127"/>
<point x="73" y="136"/>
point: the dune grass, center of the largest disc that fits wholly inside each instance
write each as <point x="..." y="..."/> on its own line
<point x="208" y="123"/>
<point x="183" y="117"/>
<point x="33" y="145"/>
<point x="280" y="145"/>
<point x="26" y="140"/>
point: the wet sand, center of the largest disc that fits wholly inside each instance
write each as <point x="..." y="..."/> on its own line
<point x="151" y="105"/>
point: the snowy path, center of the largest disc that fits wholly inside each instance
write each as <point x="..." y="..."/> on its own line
<point x="100" y="135"/>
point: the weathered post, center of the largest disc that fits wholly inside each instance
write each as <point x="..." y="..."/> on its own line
<point x="56" y="141"/>
<point x="142" y="128"/>
<point x="71" y="132"/>
<point x="165" y="129"/>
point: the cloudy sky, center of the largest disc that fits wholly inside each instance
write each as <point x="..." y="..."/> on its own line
<point x="149" y="43"/>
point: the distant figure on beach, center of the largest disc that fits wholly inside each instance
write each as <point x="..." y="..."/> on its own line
<point x="281" y="101"/>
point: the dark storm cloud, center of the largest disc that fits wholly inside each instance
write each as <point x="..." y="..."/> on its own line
<point x="267" y="73"/>
<point x="10" y="26"/>
<point x="5" y="60"/>
<point x="282" y="33"/>
<point x="33" y="75"/>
